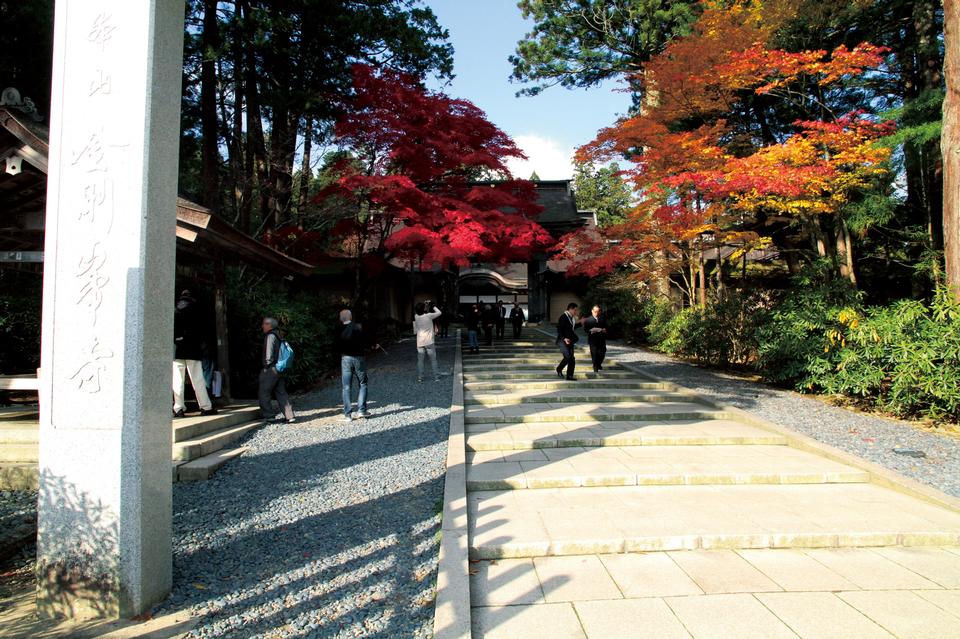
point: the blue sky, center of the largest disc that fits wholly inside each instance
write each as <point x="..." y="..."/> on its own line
<point x="547" y="127"/>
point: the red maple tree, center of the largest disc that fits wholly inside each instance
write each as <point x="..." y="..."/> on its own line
<point x="411" y="188"/>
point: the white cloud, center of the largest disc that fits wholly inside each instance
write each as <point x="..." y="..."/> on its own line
<point x="550" y="159"/>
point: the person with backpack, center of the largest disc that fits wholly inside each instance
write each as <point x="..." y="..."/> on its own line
<point x="275" y="360"/>
<point x="187" y="355"/>
<point x="423" y="329"/>
<point x="350" y="342"/>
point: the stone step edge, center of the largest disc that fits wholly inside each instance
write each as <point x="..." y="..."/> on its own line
<point x="199" y="426"/>
<point x="724" y="541"/>
<point x="211" y="442"/>
<point x="20" y="453"/>
<point x="491" y="400"/>
<point x="613" y="441"/>
<point x="616" y="417"/>
<point x="666" y="479"/>
<point x="203" y="468"/>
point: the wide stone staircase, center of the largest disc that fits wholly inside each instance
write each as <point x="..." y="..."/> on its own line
<point x="201" y="445"/>
<point x="622" y="506"/>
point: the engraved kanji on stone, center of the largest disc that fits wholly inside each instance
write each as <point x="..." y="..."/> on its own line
<point x="91" y="155"/>
<point x="97" y="198"/>
<point x="101" y="30"/>
<point x="101" y="83"/>
<point x="92" y="280"/>
<point x="88" y="375"/>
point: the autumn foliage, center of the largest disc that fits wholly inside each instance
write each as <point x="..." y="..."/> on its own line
<point x="710" y="170"/>
<point x="410" y="188"/>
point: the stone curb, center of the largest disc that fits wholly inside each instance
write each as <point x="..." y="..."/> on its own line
<point x="452" y="613"/>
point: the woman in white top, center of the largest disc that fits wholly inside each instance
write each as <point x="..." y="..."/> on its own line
<point x="424" y="330"/>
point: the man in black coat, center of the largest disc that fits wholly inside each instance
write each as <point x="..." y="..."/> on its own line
<point x="595" y="327"/>
<point x="489" y="321"/>
<point x="187" y="353"/>
<point x="501" y="318"/>
<point x="516" y="318"/>
<point x="567" y="339"/>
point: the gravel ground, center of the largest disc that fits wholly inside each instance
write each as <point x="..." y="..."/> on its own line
<point x="871" y="437"/>
<point x="323" y="528"/>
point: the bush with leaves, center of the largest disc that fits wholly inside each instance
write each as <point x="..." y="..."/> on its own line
<point x="904" y="357"/>
<point x="20" y="296"/>
<point x="791" y="344"/>
<point x="628" y="311"/>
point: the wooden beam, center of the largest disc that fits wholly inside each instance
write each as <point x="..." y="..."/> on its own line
<point x="220" y="310"/>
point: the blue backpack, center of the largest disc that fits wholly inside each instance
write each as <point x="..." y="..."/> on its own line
<point x="285" y="357"/>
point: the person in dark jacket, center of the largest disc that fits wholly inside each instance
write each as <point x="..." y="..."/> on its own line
<point x="351" y="343"/>
<point x="187" y="356"/>
<point x="472" y="320"/>
<point x="501" y="311"/>
<point x="595" y="327"/>
<point x="271" y="380"/>
<point x="516" y="319"/>
<point x="567" y="339"/>
<point x="489" y="321"/>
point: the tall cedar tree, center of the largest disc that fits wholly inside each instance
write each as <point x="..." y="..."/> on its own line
<point x="408" y="191"/>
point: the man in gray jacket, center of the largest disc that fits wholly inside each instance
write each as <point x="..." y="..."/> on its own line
<point x="271" y="380"/>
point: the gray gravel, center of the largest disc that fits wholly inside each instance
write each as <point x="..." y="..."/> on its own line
<point x="871" y="437"/>
<point x="323" y="528"/>
<point x="16" y="506"/>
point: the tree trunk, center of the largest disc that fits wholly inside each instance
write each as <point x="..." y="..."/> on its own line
<point x="305" y="171"/>
<point x="256" y="145"/>
<point x="209" y="123"/>
<point x="950" y="143"/>
<point x="701" y="277"/>
<point x="844" y="243"/>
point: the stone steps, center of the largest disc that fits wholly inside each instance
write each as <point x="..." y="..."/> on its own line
<point x="20" y="453"/>
<point x="194" y="448"/>
<point x="555" y="384"/>
<point x="192" y="427"/>
<point x="544" y="375"/>
<point x="624" y="411"/>
<point x="573" y="396"/>
<point x="570" y="521"/>
<point x="19" y="432"/>
<point x="12" y="413"/>
<point x="204" y="467"/>
<point x="710" y="432"/>
<point x="573" y="467"/>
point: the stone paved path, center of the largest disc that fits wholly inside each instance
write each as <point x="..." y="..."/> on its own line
<point x="619" y="506"/>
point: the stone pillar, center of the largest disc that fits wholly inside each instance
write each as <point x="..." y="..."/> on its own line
<point x="105" y="449"/>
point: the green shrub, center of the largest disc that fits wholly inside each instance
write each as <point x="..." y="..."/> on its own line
<point x="792" y="340"/>
<point x="905" y="357"/>
<point x="20" y="299"/>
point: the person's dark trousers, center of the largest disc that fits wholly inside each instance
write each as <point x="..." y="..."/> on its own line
<point x="569" y="360"/>
<point x="516" y="331"/>
<point x="501" y="325"/>
<point x="598" y="351"/>
<point x="271" y="384"/>
<point x="488" y="333"/>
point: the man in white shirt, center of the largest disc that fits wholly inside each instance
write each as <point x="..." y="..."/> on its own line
<point x="424" y="330"/>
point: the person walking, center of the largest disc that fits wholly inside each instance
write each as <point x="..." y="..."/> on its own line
<point x="516" y="319"/>
<point x="188" y="356"/>
<point x="566" y="339"/>
<point x="489" y="320"/>
<point x="271" y="382"/>
<point x="351" y="343"/>
<point x="472" y="320"/>
<point x="423" y="329"/>
<point x="444" y="322"/>
<point x="501" y="311"/>
<point x="595" y="327"/>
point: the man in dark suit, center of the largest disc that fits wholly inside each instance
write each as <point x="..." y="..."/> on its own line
<point x="489" y="322"/>
<point x="567" y="339"/>
<point x="595" y="327"/>
<point x="516" y="318"/>
<point x="501" y="318"/>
